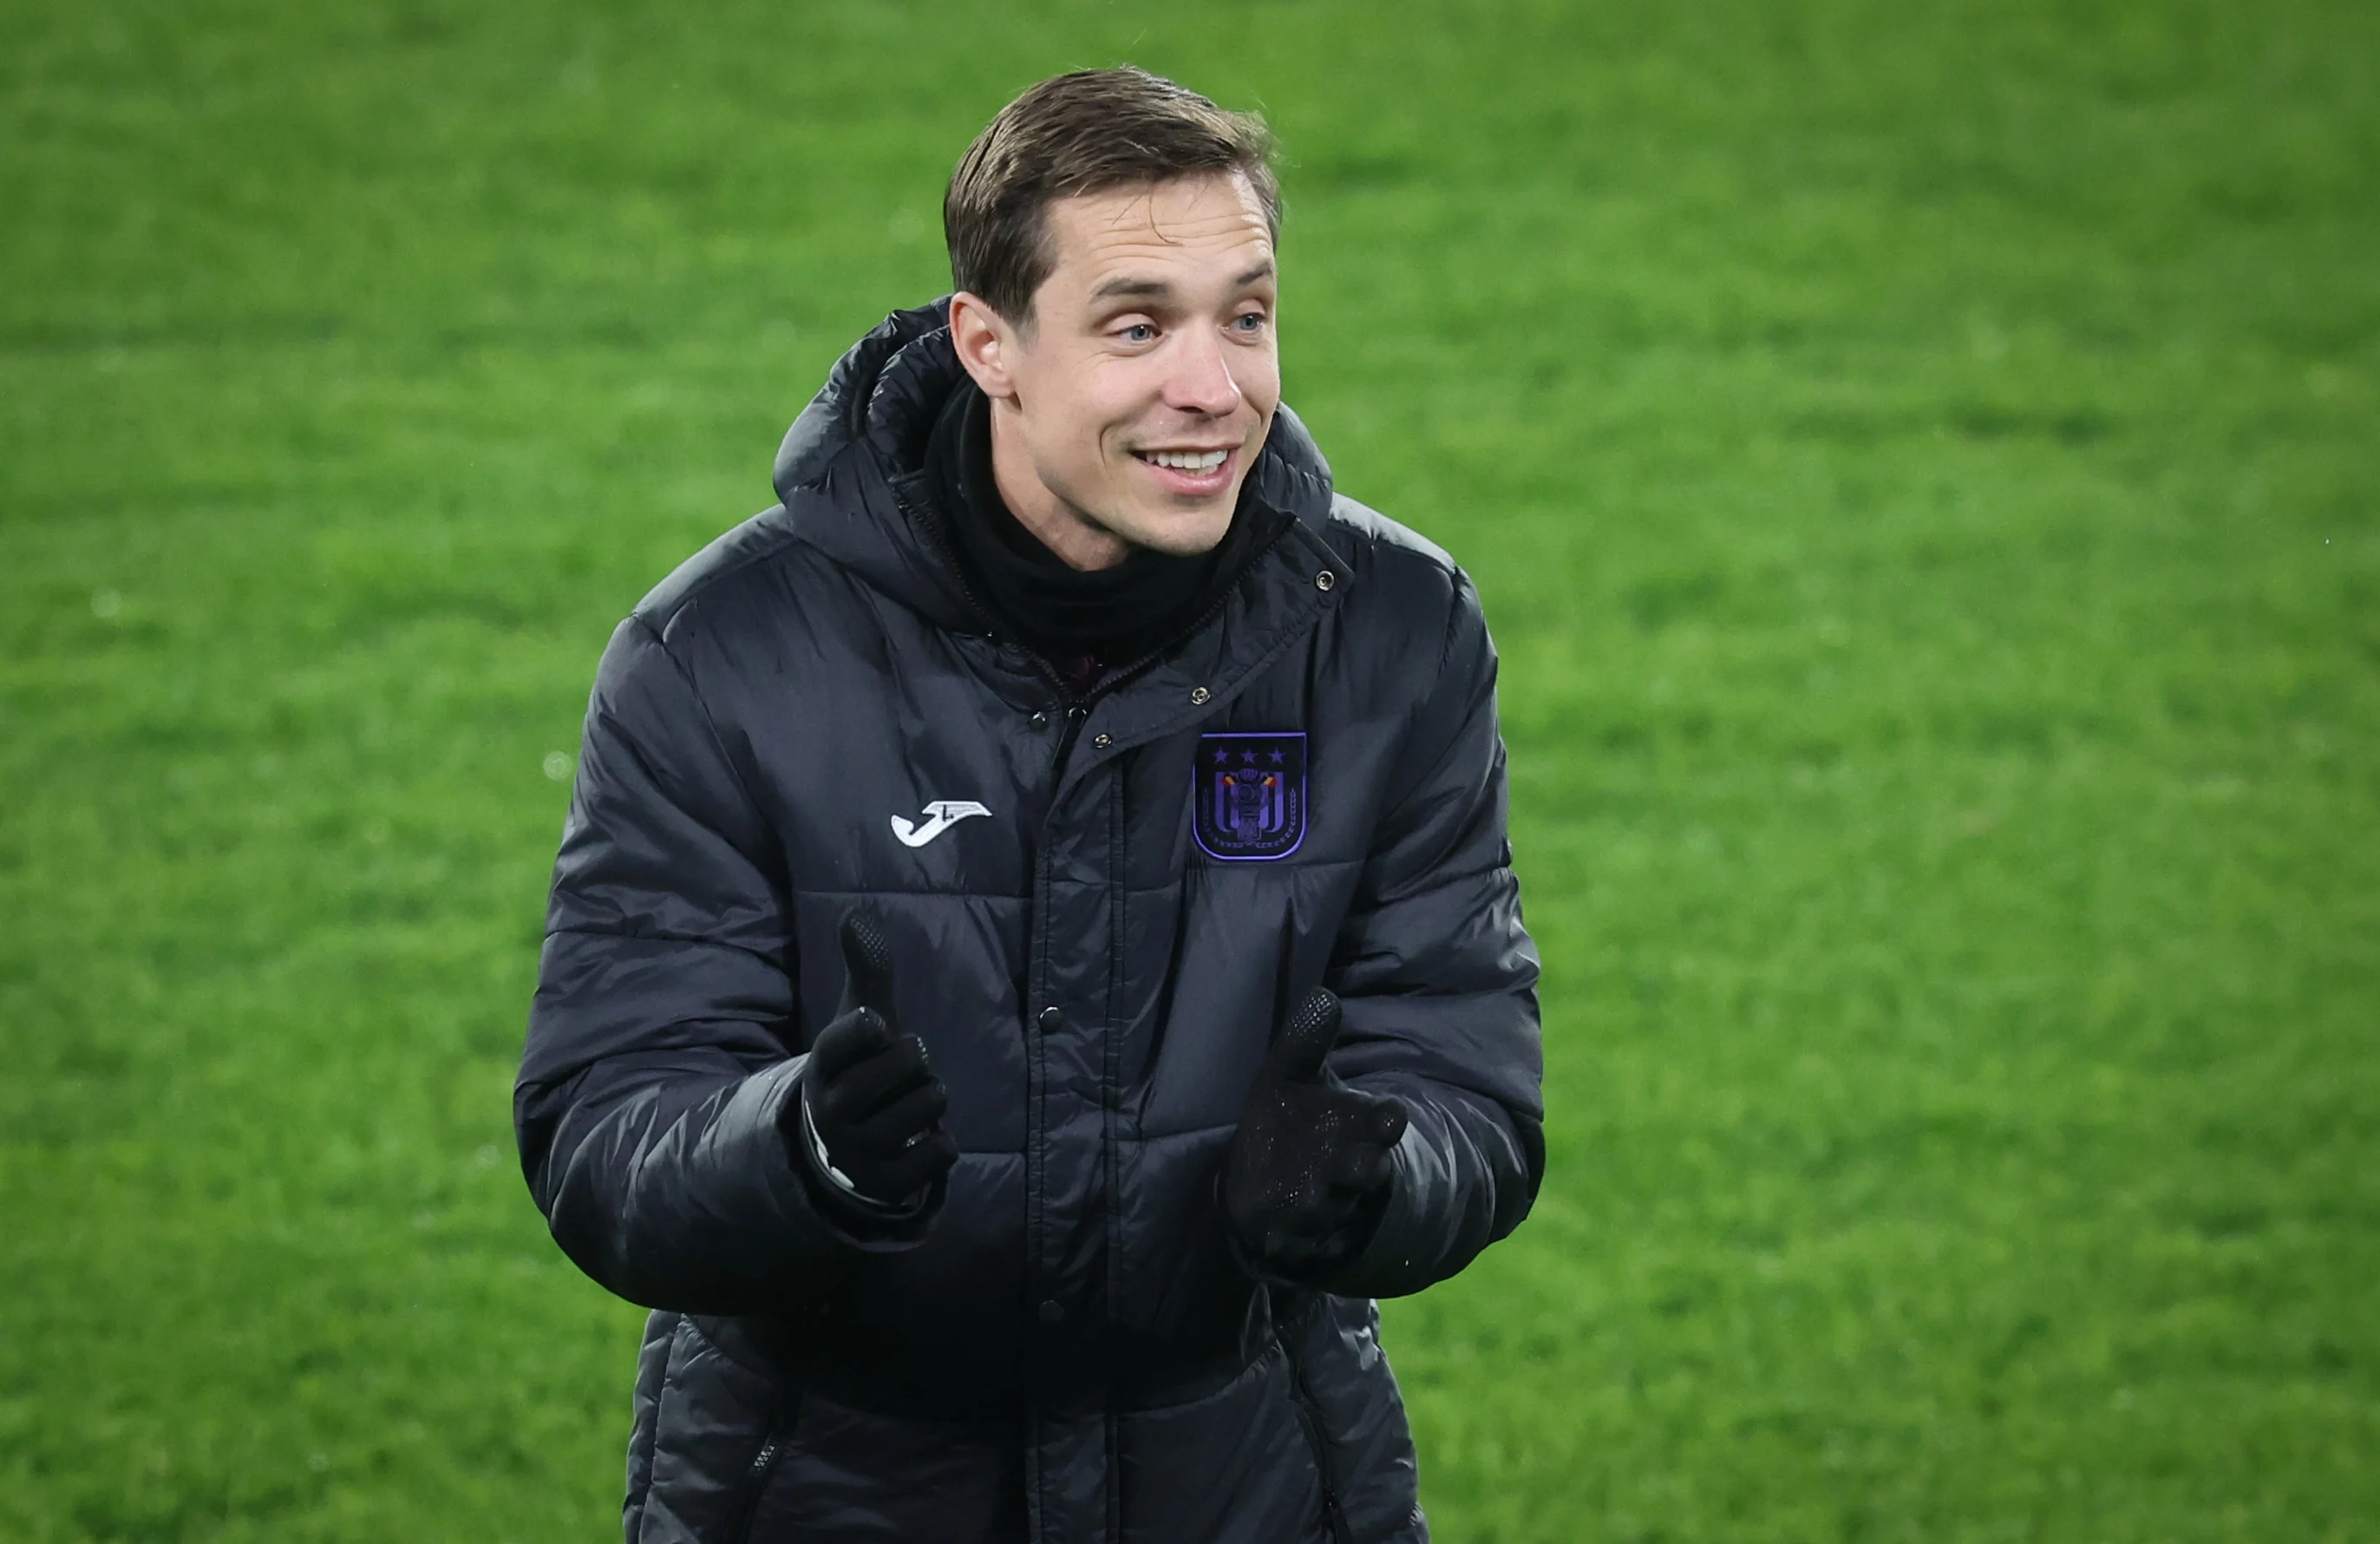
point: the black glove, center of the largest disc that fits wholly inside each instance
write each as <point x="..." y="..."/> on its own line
<point x="869" y="1118"/>
<point x="1308" y="1173"/>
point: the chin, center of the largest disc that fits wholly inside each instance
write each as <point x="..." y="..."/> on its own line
<point x="1183" y="527"/>
<point x="1179" y="535"/>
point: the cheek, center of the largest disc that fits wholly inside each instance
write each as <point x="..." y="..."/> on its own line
<point x="1115" y="404"/>
<point x="1260" y="379"/>
<point x="1070" y="422"/>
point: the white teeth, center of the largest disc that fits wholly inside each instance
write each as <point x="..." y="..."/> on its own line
<point x="1186" y="461"/>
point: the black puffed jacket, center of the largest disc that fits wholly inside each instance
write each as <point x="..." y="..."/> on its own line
<point x="1066" y="1348"/>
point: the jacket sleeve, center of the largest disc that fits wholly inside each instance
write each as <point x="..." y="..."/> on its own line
<point x="1438" y="980"/>
<point x="657" y="1065"/>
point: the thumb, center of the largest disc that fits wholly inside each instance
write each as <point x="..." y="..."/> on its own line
<point x="1306" y="1037"/>
<point x="867" y="964"/>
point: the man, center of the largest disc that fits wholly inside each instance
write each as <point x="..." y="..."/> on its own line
<point x="1034" y="952"/>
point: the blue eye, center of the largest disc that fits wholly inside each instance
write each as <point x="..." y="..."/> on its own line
<point x="1249" y="321"/>
<point x="1139" y="332"/>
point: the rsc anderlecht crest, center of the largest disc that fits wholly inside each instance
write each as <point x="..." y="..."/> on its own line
<point x="1248" y="796"/>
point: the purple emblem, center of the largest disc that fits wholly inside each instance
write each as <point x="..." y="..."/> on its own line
<point x="1247" y="794"/>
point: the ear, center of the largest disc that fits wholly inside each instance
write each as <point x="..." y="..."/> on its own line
<point x="986" y="344"/>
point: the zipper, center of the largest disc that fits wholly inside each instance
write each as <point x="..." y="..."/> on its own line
<point x="1075" y="713"/>
<point x="756" y="1479"/>
<point x="1304" y="1402"/>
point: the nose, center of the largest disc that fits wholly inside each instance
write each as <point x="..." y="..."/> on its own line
<point x="1201" y="379"/>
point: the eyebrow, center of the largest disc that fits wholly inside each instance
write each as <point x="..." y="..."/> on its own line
<point x="1125" y="287"/>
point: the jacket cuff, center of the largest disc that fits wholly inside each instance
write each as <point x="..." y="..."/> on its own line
<point x="859" y="1216"/>
<point x="1402" y="1254"/>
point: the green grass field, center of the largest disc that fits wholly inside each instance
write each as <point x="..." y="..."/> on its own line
<point x="1923" y="463"/>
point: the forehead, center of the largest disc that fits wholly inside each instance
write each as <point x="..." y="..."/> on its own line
<point x="1208" y="228"/>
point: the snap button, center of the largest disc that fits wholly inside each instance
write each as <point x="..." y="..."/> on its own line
<point x="1198" y="695"/>
<point x="1040" y="720"/>
<point x="1050" y="1018"/>
<point x="1325" y="579"/>
<point x="1077" y="711"/>
<point x="1052" y="1313"/>
<point x="1102" y="741"/>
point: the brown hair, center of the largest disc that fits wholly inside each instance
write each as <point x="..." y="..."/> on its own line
<point x="1083" y="133"/>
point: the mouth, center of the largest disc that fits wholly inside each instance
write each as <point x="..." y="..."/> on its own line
<point x="1191" y="472"/>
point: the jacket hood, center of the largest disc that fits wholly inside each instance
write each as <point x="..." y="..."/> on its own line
<point x="859" y="447"/>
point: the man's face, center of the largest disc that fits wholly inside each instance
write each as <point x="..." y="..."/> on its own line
<point x="1145" y="384"/>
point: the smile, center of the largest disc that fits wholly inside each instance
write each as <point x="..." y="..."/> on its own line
<point x="1196" y="462"/>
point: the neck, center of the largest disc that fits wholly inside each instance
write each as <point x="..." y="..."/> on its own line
<point x="1057" y="525"/>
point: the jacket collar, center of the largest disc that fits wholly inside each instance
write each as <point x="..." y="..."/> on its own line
<point x="848" y="469"/>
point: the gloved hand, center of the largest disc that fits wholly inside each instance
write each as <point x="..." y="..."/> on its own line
<point x="1307" y="1176"/>
<point x="869" y="1120"/>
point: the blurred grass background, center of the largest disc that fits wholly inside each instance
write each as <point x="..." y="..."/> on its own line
<point x="1921" y="464"/>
